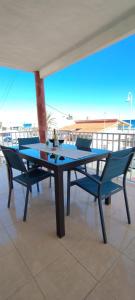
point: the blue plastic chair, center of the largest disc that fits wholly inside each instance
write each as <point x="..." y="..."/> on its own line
<point x="82" y="144"/>
<point x="102" y="186"/>
<point x="27" y="141"/>
<point x="27" y="177"/>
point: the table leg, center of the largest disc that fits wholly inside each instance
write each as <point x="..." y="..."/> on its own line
<point x="59" y="203"/>
<point x="108" y="200"/>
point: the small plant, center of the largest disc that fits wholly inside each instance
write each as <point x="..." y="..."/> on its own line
<point x="51" y="121"/>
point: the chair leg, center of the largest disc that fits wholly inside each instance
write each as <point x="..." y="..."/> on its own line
<point x="68" y="192"/>
<point x="97" y="173"/>
<point x="10" y="176"/>
<point x="102" y="220"/>
<point x="9" y="195"/>
<point x="50" y="183"/>
<point x="98" y="166"/>
<point x="28" y="165"/>
<point x="26" y="204"/>
<point x="11" y="181"/>
<point x="75" y="175"/>
<point x="38" y="187"/>
<point x="126" y="204"/>
<point x="85" y="168"/>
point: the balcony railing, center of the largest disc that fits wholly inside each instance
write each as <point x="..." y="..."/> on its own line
<point x="111" y="141"/>
<point x="10" y="138"/>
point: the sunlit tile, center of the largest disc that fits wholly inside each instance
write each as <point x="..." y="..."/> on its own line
<point x="13" y="275"/>
<point x="119" y="283"/>
<point x="28" y="291"/>
<point x="65" y="279"/>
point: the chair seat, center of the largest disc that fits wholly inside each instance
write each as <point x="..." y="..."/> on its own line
<point x="108" y="188"/>
<point x="32" y="177"/>
<point x="82" y="167"/>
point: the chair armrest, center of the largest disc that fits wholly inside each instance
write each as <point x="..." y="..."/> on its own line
<point x="89" y="176"/>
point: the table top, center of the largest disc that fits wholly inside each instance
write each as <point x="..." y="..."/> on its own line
<point x="65" y="155"/>
<point x="65" y="150"/>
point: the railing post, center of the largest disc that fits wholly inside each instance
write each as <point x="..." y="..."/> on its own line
<point x="119" y="139"/>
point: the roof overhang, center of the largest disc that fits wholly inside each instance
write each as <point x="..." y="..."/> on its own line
<point x="49" y="35"/>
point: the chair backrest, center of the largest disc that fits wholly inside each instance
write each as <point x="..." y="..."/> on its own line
<point x="27" y="141"/>
<point x="13" y="159"/>
<point x="6" y="148"/>
<point x="121" y="153"/>
<point x="83" y="143"/>
<point x="117" y="164"/>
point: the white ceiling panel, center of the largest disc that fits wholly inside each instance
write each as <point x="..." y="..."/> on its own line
<point x="47" y="35"/>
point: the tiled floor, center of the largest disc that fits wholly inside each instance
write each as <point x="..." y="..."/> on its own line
<point x="35" y="264"/>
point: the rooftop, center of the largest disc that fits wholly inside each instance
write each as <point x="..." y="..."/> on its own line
<point x="94" y="125"/>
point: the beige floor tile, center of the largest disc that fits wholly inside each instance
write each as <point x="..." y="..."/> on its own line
<point x="13" y="274"/>
<point x="119" y="234"/>
<point x="3" y="199"/>
<point x="82" y="203"/>
<point x="130" y="250"/>
<point x="118" y="284"/>
<point x="84" y="210"/>
<point x="65" y="279"/>
<point x="6" y="244"/>
<point x="65" y="268"/>
<point x="28" y="291"/>
<point x="95" y="256"/>
<point x="12" y="215"/>
<point x="118" y="205"/>
<point x="84" y="206"/>
<point x="87" y="215"/>
<point x="79" y="229"/>
<point x="38" y="245"/>
<point x="87" y="246"/>
<point x="120" y="212"/>
<point x="38" y="203"/>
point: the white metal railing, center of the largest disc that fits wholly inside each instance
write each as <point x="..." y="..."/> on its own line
<point x="111" y="141"/>
<point x="10" y="138"/>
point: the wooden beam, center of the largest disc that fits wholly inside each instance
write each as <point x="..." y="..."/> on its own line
<point x="41" y="108"/>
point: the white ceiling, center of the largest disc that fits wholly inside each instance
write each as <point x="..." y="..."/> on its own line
<point x="47" y="35"/>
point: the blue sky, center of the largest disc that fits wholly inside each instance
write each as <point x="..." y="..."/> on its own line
<point x="96" y="86"/>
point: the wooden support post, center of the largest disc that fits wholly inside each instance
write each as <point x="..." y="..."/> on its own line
<point x="41" y="108"/>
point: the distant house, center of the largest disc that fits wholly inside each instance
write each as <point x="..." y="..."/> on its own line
<point x="132" y="122"/>
<point x="14" y="128"/>
<point x="95" y="125"/>
<point x="27" y="125"/>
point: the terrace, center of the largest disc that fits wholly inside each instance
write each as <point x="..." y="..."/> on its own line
<point x="37" y="264"/>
